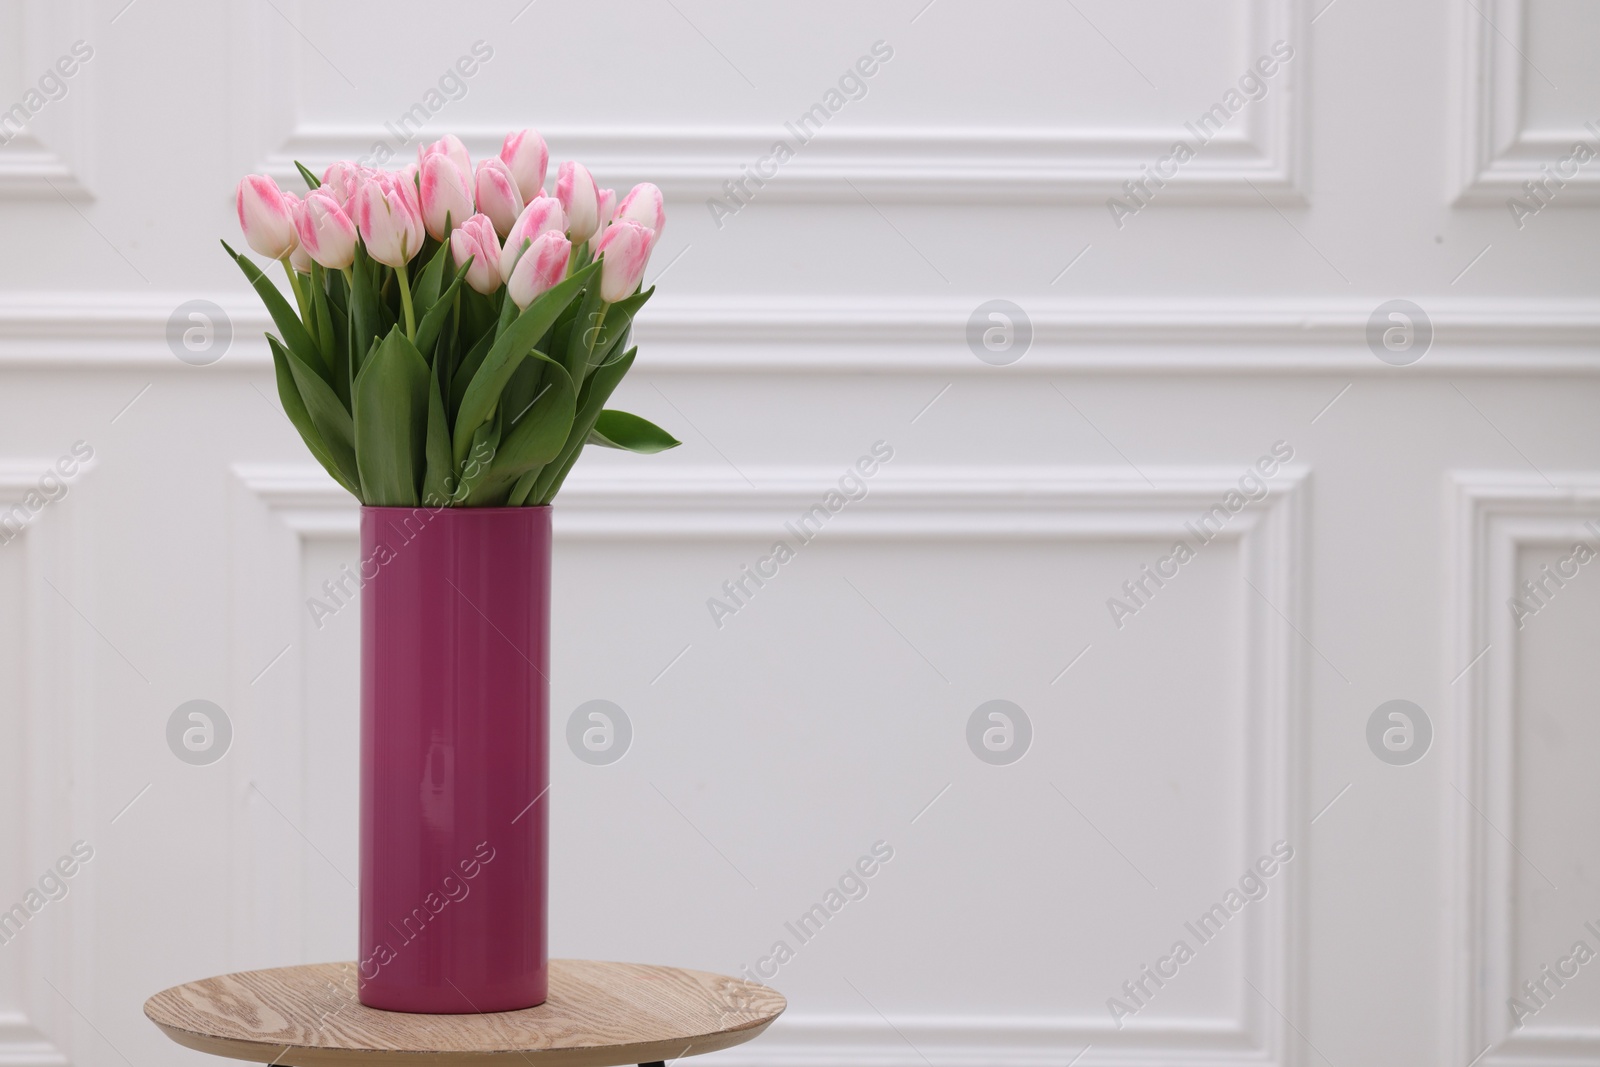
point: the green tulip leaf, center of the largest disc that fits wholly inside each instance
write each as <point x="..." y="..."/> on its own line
<point x="586" y="327"/>
<point x="328" y="413"/>
<point x="433" y="321"/>
<point x="295" y="408"/>
<point x="538" y="436"/>
<point x="425" y="290"/>
<point x="296" y="337"/>
<point x="467" y="369"/>
<point x="592" y="400"/>
<point x="618" y="429"/>
<point x="615" y="328"/>
<point x="330" y="341"/>
<point x="506" y="354"/>
<point x="526" y="384"/>
<point x="312" y="182"/>
<point x="475" y="488"/>
<point x="391" y="422"/>
<point x="438" y="481"/>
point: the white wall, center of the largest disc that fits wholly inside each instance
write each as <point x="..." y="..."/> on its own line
<point x="1167" y="356"/>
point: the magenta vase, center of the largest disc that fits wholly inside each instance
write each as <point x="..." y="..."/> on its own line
<point x="455" y="637"/>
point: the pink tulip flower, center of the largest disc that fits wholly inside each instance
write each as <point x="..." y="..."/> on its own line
<point x="451" y="148"/>
<point x="389" y="221"/>
<point x="299" y="258"/>
<point x="475" y="238"/>
<point x="326" y="233"/>
<point x="543" y="266"/>
<point x="409" y="177"/>
<point x="608" y="209"/>
<point x="445" y="196"/>
<point x="644" y="205"/>
<point x="542" y="215"/>
<point x="265" y="217"/>
<point x="580" y="198"/>
<point x="525" y="153"/>
<point x="625" y="248"/>
<point x="341" y="180"/>
<point x="497" y="194"/>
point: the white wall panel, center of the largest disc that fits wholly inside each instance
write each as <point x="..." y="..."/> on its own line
<point x="42" y="631"/>
<point x="46" y="58"/>
<point x="1524" y="871"/>
<point x="1045" y="147"/>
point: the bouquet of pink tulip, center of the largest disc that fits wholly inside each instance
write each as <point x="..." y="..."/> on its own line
<point x="458" y="331"/>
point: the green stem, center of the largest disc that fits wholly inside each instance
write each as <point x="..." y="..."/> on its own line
<point x="299" y="295"/>
<point x="405" y="303"/>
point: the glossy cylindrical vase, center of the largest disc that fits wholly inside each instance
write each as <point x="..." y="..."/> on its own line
<point x="455" y="761"/>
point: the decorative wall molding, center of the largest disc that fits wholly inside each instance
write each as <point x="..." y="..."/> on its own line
<point x="847" y="335"/>
<point x="899" y="164"/>
<point x="49" y="167"/>
<point x="992" y="1041"/>
<point x="35" y="787"/>
<point x="1000" y="506"/>
<point x="924" y="164"/>
<point x="29" y="170"/>
<point x="1496" y="153"/>
<point x="1495" y="514"/>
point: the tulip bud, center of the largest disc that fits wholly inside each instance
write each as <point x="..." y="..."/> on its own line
<point x="580" y="198"/>
<point x="524" y="152"/>
<point x="299" y="258"/>
<point x="341" y="180"/>
<point x="625" y="249"/>
<point x="543" y="266"/>
<point x="265" y="217"/>
<point x="608" y="209"/>
<point x="644" y="205"/>
<point x="326" y="233"/>
<point x="451" y="148"/>
<point x="445" y="195"/>
<point x="408" y="178"/>
<point x="541" y="215"/>
<point x="497" y="194"/>
<point x="476" y="238"/>
<point x="389" y="221"/>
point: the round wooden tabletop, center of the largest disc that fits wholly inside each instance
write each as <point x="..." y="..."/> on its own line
<point x="598" y="1015"/>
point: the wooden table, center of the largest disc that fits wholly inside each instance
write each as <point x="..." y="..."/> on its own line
<point x="598" y="1015"/>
